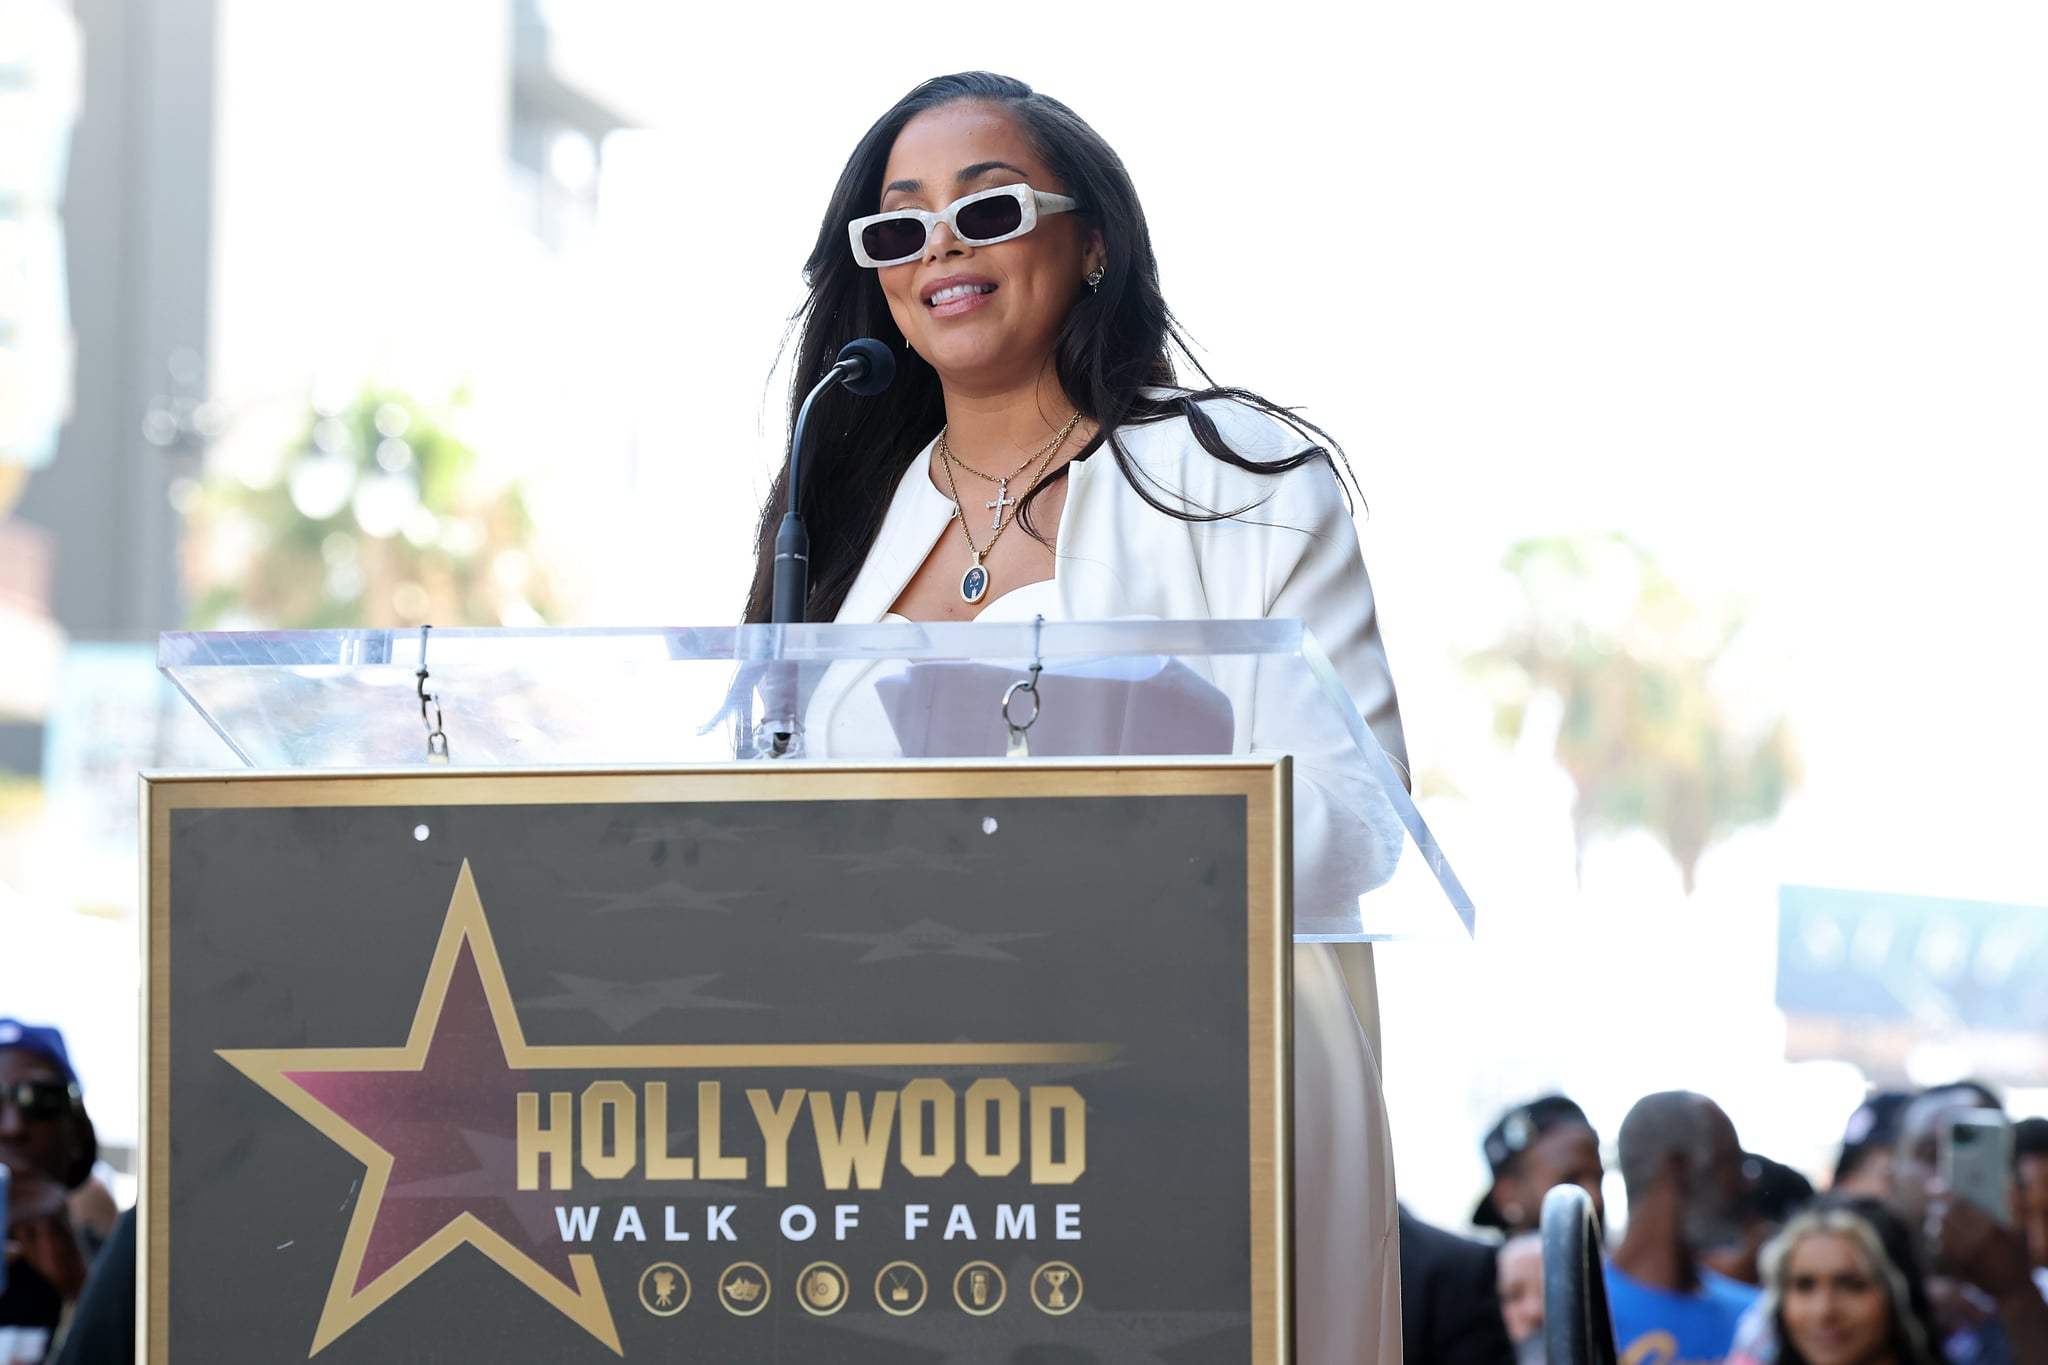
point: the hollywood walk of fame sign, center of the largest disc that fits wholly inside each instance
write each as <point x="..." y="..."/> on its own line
<point x="959" y="1060"/>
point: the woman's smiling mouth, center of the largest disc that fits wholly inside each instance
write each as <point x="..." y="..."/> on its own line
<point x="954" y="295"/>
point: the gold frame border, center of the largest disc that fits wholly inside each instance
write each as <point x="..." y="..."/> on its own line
<point x="1265" y="783"/>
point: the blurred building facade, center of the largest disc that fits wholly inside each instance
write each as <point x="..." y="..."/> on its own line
<point x="214" y="216"/>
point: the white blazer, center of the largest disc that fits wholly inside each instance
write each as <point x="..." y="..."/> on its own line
<point x="1291" y="552"/>
<point x="1295" y="553"/>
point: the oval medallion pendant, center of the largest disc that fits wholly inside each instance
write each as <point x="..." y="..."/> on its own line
<point x="974" y="584"/>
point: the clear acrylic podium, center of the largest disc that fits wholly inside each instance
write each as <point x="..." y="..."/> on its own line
<point x="1115" y="833"/>
<point x="1367" y="867"/>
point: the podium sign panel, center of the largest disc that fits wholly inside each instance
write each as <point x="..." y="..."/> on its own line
<point x="768" y="1063"/>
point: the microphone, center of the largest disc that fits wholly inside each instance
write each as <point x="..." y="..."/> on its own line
<point x="866" y="367"/>
<point x="870" y="366"/>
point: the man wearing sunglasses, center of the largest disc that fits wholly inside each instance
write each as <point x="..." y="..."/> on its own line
<point x="47" y="1145"/>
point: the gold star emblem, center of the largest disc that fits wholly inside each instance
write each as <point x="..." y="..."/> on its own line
<point x="298" y="1078"/>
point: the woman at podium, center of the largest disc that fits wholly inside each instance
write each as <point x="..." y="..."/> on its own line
<point x="1036" y="456"/>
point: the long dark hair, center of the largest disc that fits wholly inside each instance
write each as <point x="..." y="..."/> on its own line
<point x="1887" y="1244"/>
<point x="1114" y="345"/>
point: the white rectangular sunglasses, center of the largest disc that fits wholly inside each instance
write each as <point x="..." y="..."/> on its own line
<point x="980" y="219"/>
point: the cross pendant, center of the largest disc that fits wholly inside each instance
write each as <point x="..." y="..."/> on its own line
<point x="1003" y="500"/>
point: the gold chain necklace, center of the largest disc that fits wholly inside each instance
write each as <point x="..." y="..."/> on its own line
<point x="1003" y="501"/>
<point x="1058" y="437"/>
<point x="974" y="583"/>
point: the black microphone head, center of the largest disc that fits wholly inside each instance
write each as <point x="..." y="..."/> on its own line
<point x="877" y="366"/>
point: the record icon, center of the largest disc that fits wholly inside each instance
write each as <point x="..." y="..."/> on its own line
<point x="821" y="1288"/>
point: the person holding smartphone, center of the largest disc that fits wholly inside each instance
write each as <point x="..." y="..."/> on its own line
<point x="2030" y="1169"/>
<point x="1983" y="1289"/>
<point x="47" y="1146"/>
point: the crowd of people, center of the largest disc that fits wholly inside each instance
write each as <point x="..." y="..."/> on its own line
<point x="1728" y="1256"/>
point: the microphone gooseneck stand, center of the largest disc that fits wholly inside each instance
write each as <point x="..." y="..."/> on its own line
<point x="866" y="367"/>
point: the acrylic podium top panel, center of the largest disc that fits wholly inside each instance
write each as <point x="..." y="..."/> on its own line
<point x="1366" y="865"/>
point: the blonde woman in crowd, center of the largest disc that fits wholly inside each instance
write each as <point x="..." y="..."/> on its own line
<point x="1842" y="1286"/>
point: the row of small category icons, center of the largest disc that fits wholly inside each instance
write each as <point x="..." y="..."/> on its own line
<point x="822" y="1288"/>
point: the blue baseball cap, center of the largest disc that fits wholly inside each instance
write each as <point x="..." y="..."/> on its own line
<point x="42" y="1040"/>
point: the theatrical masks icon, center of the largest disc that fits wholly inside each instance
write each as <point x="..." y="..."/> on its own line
<point x="743" y="1289"/>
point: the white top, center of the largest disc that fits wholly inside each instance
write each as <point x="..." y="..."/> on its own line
<point x="1295" y="553"/>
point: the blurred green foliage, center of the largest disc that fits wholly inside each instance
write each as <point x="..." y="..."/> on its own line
<point x="382" y="515"/>
<point x="1649" y="740"/>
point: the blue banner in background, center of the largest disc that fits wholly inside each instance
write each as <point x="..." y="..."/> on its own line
<point x="1975" y="965"/>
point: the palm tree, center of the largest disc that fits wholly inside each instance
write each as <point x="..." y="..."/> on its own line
<point x="1643" y="734"/>
<point x="382" y="517"/>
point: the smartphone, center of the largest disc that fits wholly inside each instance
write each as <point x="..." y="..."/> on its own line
<point x="1975" y="1154"/>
